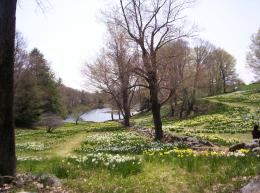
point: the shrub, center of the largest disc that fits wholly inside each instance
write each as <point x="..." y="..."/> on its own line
<point x="51" y="122"/>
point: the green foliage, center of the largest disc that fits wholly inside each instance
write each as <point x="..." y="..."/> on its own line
<point x="62" y="170"/>
<point x="46" y="82"/>
<point x="27" y="104"/>
<point x="36" y="90"/>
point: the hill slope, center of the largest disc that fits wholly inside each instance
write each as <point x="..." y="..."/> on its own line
<point x="229" y="123"/>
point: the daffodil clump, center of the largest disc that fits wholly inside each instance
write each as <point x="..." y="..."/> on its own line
<point x="239" y="153"/>
<point x="214" y="138"/>
<point x="29" y="158"/>
<point x="195" y="161"/>
<point x="32" y="146"/>
<point x="242" y="97"/>
<point x="120" y="163"/>
<point x="114" y="138"/>
<point x="120" y="143"/>
<point x="231" y="121"/>
<point x="104" y="126"/>
<point x="184" y="153"/>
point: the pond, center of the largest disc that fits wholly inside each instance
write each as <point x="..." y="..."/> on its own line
<point x="97" y="115"/>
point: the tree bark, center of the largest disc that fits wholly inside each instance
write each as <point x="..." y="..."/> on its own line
<point x="173" y="104"/>
<point x="7" y="40"/>
<point x="156" y="109"/>
<point x="126" y="107"/>
<point x="172" y="109"/>
<point x="182" y="109"/>
<point x="224" y="85"/>
<point x="127" y="118"/>
<point x="112" y="115"/>
<point x="119" y="115"/>
<point x="150" y="65"/>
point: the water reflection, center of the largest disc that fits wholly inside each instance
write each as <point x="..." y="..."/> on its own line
<point x="97" y="115"/>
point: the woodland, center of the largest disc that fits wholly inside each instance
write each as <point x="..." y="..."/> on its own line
<point x="185" y="117"/>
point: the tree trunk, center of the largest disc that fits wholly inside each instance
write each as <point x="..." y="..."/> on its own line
<point x="181" y="110"/>
<point x="224" y="85"/>
<point x="127" y="119"/>
<point x="126" y="107"/>
<point x="150" y="64"/>
<point x="184" y="103"/>
<point x="112" y="115"/>
<point x="126" y="116"/>
<point x="7" y="36"/>
<point x="172" y="109"/>
<point x="210" y="88"/>
<point x="194" y="90"/>
<point x="156" y="110"/>
<point x="191" y="103"/>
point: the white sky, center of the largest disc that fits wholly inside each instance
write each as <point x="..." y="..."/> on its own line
<point x="70" y="34"/>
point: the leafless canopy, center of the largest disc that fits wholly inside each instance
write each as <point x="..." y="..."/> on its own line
<point x="153" y="23"/>
<point x="253" y="56"/>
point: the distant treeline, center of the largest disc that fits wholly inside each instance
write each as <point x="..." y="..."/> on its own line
<point x="38" y="92"/>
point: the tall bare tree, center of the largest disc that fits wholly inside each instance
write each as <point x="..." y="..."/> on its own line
<point x="112" y="72"/>
<point x="175" y="56"/>
<point x="201" y="52"/>
<point x="7" y="41"/>
<point x="151" y="25"/>
<point x="21" y="58"/>
<point x="226" y="68"/>
<point x="253" y="56"/>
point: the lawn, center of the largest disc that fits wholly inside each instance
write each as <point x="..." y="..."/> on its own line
<point x="105" y="157"/>
<point x="119" y="160"/>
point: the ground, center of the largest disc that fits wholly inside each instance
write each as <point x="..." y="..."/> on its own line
<point x="105" y="157"/>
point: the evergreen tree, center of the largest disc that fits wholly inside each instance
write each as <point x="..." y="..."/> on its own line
<point x="27" y="103"/>
<point x="48" y="86"/>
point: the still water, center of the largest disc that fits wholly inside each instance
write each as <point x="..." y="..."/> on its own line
<point x="97" y="115"/>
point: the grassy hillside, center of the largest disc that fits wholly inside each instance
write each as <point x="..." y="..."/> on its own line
<point x="255" y="86"/>
<point x="105" y="157"/>
<point x="229" y="123"/>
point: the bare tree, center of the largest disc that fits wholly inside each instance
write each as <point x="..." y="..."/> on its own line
<point x="151" y="25"/>
<point x="78" y="112"/>
<point x="200" y="53"/>
<point x="225" y="68"/>
<point x="21" y="58"/>
<point x="253" y="56"/>
<point x="112" y="72"/>
<point x="7" y="42"/>
<point x="176" y="57"/>
<point x="50" y="121"/>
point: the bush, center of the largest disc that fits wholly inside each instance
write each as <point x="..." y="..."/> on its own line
<point x="51" y="122"/>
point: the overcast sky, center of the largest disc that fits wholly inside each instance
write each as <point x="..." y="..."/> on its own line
<point x="70" y="34"/>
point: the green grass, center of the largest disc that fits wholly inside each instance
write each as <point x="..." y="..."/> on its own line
<point x="255" y="86"/>
<point x="105" y="157"/>
<point x="156" y="174"/>
<point x="230" y="118"/>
